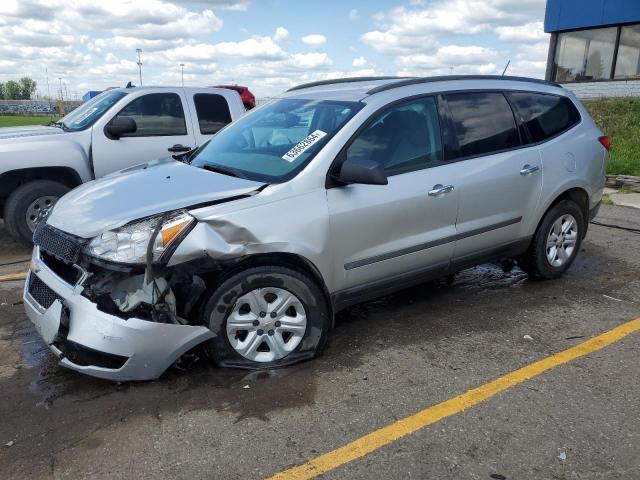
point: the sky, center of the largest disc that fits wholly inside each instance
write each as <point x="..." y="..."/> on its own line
<point x="267" y="45"/>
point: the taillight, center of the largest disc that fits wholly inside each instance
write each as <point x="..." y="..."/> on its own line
<point x="606" y="142"/>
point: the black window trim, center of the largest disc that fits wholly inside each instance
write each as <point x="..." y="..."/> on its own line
<point x="611" y="78"/>
<point x="340" y="158"/>
<point x="182" y="104"/>
<point x="449" y="142"/>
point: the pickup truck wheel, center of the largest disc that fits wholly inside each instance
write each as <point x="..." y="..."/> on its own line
<point x="266" y="317"/>
<point x="25" y="204"/>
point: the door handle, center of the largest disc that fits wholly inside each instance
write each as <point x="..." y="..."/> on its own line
<point x="178" y="148"/>
<point x="439" y="190"/>
<point x="529" y="169"/>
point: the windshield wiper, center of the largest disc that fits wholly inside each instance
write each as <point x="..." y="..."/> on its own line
<point x="224" y="170"/>
<point x="60" y="125"/>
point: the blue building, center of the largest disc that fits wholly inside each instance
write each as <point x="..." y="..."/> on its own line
<point x="595" y="46"/>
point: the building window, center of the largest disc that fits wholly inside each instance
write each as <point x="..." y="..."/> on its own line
<point x="597" y="54"/>
<point x="585" y="55"/>
<point x="628" y="62"/>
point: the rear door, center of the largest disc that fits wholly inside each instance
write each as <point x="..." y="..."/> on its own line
<point x="383" y="232"/>
<point x="501" y="182"/>
<point x="161" y="118"/>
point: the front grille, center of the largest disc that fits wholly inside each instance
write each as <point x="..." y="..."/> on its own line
<point x="41" y="293"/>
<point x="61" y="245"/>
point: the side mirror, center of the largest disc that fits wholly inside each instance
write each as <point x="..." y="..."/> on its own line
<point x="366" y="172"/>
<point x="120" y="126"/>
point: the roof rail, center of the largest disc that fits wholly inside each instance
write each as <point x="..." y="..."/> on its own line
<point x="416" y="81"/>
<point x="342" y="80"/>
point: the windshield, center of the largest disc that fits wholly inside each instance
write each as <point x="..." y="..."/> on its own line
<point x="86" y="114"/>
<point x="276" y="141"/>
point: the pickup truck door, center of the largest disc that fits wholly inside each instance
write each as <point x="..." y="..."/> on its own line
<point x="164" y="122"/>
<point x="211" y="110"/>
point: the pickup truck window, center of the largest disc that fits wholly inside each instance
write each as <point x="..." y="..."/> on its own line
<point x="276" y="141"/>
<point x="213" y="112"/>
<point x="86" y="114"/>
<point x="156" y="115"/>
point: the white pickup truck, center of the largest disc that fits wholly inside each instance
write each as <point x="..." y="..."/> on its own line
<point x="115" y="130"/>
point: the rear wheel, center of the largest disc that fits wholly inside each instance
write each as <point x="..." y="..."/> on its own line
<point x="265" y="317"/>
<point x="27" y="204"/>
<point x="556" y="242"/>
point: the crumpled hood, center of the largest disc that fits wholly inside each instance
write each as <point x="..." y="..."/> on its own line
<point x="141" y="191"/>
<point x="28" y="132"/>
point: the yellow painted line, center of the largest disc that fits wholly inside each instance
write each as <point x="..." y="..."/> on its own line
<point x="13" y="276"/>
<point x="403" y="427"/>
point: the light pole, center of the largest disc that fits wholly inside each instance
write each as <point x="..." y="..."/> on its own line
<point x="61" y="93"/>
<point x="182" y="72"/>
<point x="139" y="51"/>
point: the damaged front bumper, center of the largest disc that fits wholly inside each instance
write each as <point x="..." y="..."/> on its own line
<point x="96" y="343"/>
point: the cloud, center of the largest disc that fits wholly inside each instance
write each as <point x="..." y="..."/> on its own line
<point x="527" y="33"/>
<point x="280" y="35"/>
<point x="404" y="30"/>
<point x="354" y="14"/>
<point x="255" y="47"/>
<point x="359" y="62"/>
<point x="314" y="40"/>
<point x="237" y="5"/>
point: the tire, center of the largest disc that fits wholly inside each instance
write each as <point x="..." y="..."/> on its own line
<point x="15" y="209"/>
<point x="548" y="262"/>
<point x="229" y="315"/>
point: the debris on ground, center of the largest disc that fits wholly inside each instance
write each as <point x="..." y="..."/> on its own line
<point x="562" y="456"/>
<point x="528" y="337"/>
<point x="9" y="444"/>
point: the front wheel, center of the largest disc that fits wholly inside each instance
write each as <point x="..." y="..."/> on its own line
<point x="265" y="317"/>
<point x="556" y="242"/>
<point x="27" y="204"/>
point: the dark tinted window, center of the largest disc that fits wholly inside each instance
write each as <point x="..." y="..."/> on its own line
<point x="156" y="114"/>
<point x="402" y="139"/>
<point x="482" y="122"/>
<point x="213" y="112"/>
<point x="545" y="115"/>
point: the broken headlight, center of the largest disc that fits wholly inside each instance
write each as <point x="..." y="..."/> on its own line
<point x="128" y="244"/>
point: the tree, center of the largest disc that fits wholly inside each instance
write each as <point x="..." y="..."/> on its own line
<point x="27" y="88"/>
<point x="1" y="90"/>
<point x="12" y="90"/>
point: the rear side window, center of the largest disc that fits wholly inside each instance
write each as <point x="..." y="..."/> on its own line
<point x="213" y="112"/>
<point x="544" y="115"/>
<point x="156" y="114"/>
<point x="403" y="139"/>
<point x="483" y="123"/>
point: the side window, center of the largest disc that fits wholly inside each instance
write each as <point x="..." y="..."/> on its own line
<point x="213" y="112"/>
<point x="545" y="115"/>
<point x="403" y="139"/>
<point x="482" y="122"/>
<point x="156" y="114"/>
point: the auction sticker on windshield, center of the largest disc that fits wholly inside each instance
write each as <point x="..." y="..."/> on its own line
<point x="303" y="145"/>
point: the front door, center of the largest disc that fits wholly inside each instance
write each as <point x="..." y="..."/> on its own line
<point x="161" y="121"/>
<point x="382" y="232"/>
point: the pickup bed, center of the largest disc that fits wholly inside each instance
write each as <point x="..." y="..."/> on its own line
<point x="117" y="129"/>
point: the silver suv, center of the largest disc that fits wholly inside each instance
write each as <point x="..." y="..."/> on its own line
<point x="334" y="193"/>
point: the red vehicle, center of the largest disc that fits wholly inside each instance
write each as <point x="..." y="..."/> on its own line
<point x="247" y="97"/>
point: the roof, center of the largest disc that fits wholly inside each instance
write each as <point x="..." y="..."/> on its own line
<point x="356" y="89"/>
<point x="577" y="14"/>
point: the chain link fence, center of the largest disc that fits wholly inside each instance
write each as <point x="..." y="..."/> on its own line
<point x="37" y="107"/>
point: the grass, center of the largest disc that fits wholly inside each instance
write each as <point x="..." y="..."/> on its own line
<point x="620" y="119"/>
<point x="21" y="120"/>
